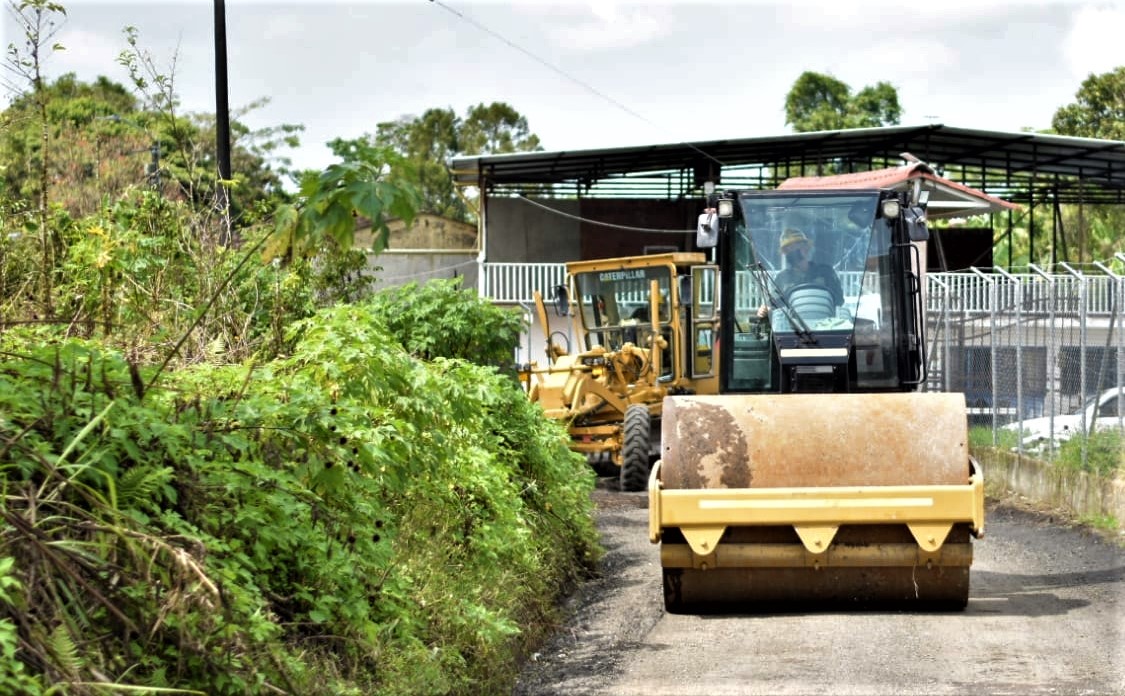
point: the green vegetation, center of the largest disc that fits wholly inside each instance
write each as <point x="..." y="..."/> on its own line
<point x="442" y="319"/>
<point x="1105" y="450"/>
<point x="424" y="144"/>
<point x="231" y="469"/>
<point x="344" y="519"/>
<point x="1105" y="453"/>
<point x="981" y="436"/>
<point x="1107" y="523"/>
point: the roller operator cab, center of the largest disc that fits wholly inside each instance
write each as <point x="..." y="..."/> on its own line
<point x="819" y="472"/>
<point x="823" y="291"/>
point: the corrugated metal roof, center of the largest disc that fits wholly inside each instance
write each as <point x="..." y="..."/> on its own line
<point x="947" y="197"/>
<point x="993" y="161"/>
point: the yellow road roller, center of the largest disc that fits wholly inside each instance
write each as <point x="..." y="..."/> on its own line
<point x="821" y="471"/>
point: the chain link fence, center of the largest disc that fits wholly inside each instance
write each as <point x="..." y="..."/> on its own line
<point x="1039" y="356"/>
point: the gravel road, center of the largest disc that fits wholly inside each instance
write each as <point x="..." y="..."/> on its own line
<point x="1046" y="615"/>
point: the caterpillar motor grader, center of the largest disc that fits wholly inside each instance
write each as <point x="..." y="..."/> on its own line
<point x="818" y="471"/>
<point x="640" y="337"/>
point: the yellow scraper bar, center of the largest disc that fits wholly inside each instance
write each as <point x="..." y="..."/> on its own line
<point x="703" y="515"/>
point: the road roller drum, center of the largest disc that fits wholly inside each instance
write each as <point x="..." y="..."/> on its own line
<point x="855" y="498"/>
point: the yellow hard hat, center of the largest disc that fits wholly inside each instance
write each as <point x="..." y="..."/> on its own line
<point x="791" y="236"/>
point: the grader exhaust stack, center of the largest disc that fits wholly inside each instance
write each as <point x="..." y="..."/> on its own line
<point x="818" y="472"/>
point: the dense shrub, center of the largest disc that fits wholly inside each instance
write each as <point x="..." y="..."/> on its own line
<point x="440" y="319"/>
<point x="345" y="520"/>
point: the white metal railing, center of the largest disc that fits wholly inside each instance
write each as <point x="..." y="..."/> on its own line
<point x="517" y="282"/>
<point x="973" y="292"/>
<point x="968" y="292"/>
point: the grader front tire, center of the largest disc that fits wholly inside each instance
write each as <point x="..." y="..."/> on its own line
<point x="635" y="450"/>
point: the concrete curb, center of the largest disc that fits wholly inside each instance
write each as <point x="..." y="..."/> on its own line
<point x="1086" y="495"/>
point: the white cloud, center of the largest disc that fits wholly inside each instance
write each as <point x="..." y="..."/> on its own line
<point x="900" y="57"/>
<point x="283" y="25"/>
<point x="858" y="20"/>
<point x="87" y="52"/>
<point x="1093" y="44"/>
<point x="609" y="25"/>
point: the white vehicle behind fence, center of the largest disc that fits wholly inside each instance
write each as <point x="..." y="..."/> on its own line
<point x="1103" y="412"/>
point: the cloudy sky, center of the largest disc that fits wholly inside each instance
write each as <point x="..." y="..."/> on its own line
<point x="604" y="74"/>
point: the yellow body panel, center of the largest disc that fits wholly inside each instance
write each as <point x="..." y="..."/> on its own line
<point x="704" y="514"/>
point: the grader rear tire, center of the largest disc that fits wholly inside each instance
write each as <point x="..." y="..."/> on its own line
<point x="635" y="450"/>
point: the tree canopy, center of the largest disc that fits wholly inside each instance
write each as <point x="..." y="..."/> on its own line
<point x="427" y="142"/>
<point x="103" y="142"/>
<point x="821" y="102"/>
<point x="1098" y="110"/>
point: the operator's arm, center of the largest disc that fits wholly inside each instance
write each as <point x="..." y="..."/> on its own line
<point x="781" y="283"/>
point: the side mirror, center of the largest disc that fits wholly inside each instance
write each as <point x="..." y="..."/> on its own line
<point x="916" y="224"/>
<point x="562" y="300"/>
<point x="707" y="230"/>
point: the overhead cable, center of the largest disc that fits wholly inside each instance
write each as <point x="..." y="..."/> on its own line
<point x="588" y="87"/>
<point x="599" y="223"/>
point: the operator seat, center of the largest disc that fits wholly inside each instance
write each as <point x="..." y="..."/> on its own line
<point x="812" y="302"/>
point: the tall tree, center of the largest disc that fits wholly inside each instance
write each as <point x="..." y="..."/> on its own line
<point x="38" y="21"/>
<point x="821" y="102"/>
<point x="1098" y="110"/>
<point x="427" y="142"/>
<point x="494" y="129"/>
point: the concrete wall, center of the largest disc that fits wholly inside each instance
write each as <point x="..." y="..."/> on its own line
<point x="401" y="267"/>
<point x="1082" y="493"/>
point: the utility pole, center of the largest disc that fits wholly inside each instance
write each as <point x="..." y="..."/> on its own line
<point x="154" y="166"/>
<point x="222" y="121"/>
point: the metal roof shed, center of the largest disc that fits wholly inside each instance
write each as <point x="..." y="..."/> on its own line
<point x="1031" y="169"/>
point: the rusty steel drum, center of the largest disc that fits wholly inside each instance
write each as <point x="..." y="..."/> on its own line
<point x="767" y="441"/>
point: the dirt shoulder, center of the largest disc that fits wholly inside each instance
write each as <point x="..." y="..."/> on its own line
<point x="607" y="616"/>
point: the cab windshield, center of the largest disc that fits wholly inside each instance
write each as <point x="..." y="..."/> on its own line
<point x="812" y="261"/>
<point x="615" y="304"/>
<point x="820" y="269"/>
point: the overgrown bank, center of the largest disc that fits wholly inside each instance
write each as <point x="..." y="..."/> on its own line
<point x="1084" y="476"/>
<point x="345" y="519"/>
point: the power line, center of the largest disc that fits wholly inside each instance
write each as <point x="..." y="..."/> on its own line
<point x="554" y="68"/>
<point x="603" y="224"/>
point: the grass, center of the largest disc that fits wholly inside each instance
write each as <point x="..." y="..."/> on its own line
<point x="1104" y="451"/>
<point x="981" y="436"/>
<point x="1106" y="523"/>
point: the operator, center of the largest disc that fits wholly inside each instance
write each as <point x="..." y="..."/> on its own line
<point x="800" y="269"/>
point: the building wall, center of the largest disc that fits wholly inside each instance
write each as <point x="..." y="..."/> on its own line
<point x="523" y="232"/>
<point x="519" y="232"/>
<point x="427" y="231"/>
<point x="599" y="241"/>
<point x="392" y="268"/>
